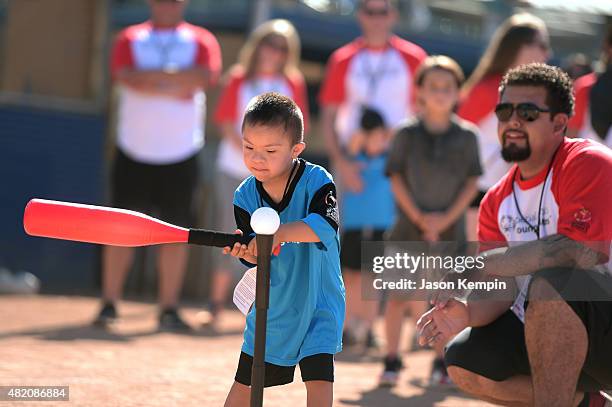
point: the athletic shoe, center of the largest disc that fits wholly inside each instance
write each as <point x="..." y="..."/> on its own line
<point x="210" y="318"/>
<point x="170" y="320"/>
<point x="107" y="315"/>
<point x="439" y="375"/>
<point x="390" y="375"/>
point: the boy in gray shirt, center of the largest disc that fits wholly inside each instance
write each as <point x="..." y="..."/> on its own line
<point x="433" y="165"/>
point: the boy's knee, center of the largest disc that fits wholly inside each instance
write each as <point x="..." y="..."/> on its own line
<point x="239" y="395"/>
<point x="319" y="393"/>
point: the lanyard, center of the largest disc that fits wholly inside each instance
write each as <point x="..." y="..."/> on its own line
<point x="296" y="164"/>
<point x="373" y="74"/>
<point x="536" y="228"/>
<point x="165" y="47"/>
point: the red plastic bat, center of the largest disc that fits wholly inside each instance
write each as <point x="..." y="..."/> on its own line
<point x="112" y="226"/>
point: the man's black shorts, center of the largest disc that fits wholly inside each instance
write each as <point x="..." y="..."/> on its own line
<point x="315" y="367"/>
<point x="498" y="351"/>
<point x="164" y="191"/>
<point x="350" y="251"/>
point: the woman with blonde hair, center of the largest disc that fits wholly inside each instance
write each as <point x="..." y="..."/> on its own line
<point x="521" y="39"/>
<point x="268" y="62"/>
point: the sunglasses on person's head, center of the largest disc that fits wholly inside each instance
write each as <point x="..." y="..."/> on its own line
<point x="528" y="112"/>
<point x="169" y="1"/>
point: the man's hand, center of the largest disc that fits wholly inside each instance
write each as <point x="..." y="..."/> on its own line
<point x="439" y="325"/>
<point x="350" y="174"/>
<point x="561" y="249"/>
<point x="180" y="84"/>
<point x="441" y="297"/>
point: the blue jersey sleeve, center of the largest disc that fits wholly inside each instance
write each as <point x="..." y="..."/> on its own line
<point x="322" y="215"/>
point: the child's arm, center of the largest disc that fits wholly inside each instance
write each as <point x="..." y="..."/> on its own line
<point x="441" y="221"/>
<point x="296" y="232"/>
<point x="289" y="232"/>
<point x="404" y="200"/>
<point x="466" y="196"/>
<point x="356" y="143"/>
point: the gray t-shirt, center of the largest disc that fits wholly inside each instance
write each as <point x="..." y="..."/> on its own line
<point x="434" y="167"/>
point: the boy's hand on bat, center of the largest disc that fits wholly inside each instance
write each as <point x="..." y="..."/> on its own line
<point x="276" y="245"/>
<point x="240" y="250"/>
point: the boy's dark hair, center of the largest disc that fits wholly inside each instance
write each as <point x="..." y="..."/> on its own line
<point x="371" y="119"/>
<point x="559" y="86"/>
<point x="274" y="109"/>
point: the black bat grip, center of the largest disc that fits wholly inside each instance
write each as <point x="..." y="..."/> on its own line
<point x="203" y="237"/>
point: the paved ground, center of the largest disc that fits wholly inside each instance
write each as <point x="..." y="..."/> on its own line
<point x="47" y="340"/>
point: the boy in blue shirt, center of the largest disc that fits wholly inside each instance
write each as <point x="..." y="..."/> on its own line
<point x="366" y="215"/>
<point x="306" y="312"/>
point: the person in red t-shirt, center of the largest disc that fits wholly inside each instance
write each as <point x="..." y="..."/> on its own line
<point x="548" y="341"/>
<point x="521" y="39"/>
<point x="593" y="118"/>
<point x="375" y="71"/>
<point x="268" y="62"/>
<point x="161" y="68"/>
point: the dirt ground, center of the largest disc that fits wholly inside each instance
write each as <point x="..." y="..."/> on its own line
<point x="48" y="340"/>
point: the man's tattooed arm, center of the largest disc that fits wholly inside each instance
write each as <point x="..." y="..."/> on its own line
<point x="553" y="251"/>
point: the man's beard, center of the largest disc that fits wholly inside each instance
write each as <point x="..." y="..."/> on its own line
<point x="512" y="153"/>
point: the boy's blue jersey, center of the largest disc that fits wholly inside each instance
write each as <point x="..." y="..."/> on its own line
<point x="374" y="206"/>
<point x="306" y="311"/>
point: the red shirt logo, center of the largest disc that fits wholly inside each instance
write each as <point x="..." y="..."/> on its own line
<point x="582" y="219"/>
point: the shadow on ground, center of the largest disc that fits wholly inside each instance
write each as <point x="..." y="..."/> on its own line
<point x="380" y="396"/>
<point x="91" y="332"/>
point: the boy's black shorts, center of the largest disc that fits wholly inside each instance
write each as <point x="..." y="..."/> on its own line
<point x="165" y="191"/>
<point x="350" y="242"/>
<point x="315" y="367"/>
<point x="498" y="351"/>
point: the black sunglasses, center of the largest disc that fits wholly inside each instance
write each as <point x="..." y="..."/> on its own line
<point x="169" y="1"/>
<point x="528" y="112"/>
<point x="383" y="12"/>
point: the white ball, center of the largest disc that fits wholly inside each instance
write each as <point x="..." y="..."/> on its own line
<point x="265" y="221"/>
